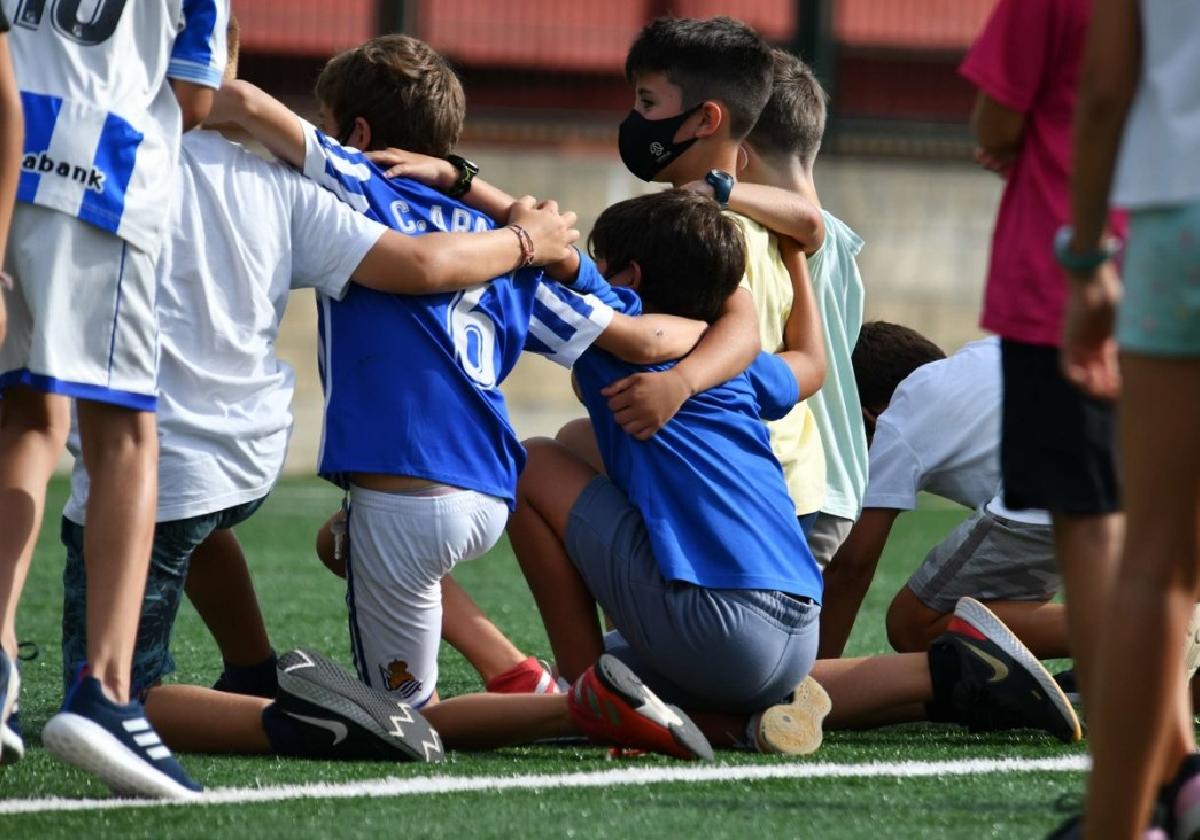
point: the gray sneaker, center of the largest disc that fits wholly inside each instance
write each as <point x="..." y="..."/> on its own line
<point x="363" y="723"/>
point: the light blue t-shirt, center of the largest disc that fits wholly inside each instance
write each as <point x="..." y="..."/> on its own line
<point x="710" y="491"/>
<point x="838" y="288"/>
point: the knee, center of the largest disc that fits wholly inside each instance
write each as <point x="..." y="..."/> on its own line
<point x="114" y="435"/>
<point x="909" y="629"/>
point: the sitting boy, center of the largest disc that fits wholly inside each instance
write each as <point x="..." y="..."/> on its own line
<point x="691" y="545"/>
<point x="934" y="424"/>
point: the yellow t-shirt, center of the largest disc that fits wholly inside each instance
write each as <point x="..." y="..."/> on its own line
<point x="795" y="438"/>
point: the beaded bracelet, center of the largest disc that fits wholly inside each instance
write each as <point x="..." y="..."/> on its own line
<point x="526" y="241"/>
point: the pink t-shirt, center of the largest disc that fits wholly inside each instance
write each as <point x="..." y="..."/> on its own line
<point x="1028" y="59"/>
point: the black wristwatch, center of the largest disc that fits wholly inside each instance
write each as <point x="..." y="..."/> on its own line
<point x="722" y="183"/>
<point x="466" y="175"/>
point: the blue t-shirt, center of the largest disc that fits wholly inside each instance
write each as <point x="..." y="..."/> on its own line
<point x="710" y="491"/>
<point x="411" y="382"/>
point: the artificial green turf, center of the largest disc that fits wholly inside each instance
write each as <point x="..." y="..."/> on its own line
<point x="304" y="605"/>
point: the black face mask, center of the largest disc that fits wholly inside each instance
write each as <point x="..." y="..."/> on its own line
<point x="647" y="146"/>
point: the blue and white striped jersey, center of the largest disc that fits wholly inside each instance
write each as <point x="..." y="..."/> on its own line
<point x="411" y="381"/>
<point x="101" y="123"/>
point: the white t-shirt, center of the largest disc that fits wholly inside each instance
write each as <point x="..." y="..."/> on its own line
<point x="1160" y="154"/>
<point x="101" y="122"/>
<point x="244" y="233"/>
<point x="941" y="434"/>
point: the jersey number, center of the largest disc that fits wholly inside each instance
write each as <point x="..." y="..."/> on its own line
<point x="65" y="17"/>
<point x="474" y="335"/>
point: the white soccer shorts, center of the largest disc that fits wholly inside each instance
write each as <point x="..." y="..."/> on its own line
<point x="401" y="546"/>
<point x="81" y="318"/>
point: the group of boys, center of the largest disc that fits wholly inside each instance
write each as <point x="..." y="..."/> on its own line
<point x="699" y="529"/>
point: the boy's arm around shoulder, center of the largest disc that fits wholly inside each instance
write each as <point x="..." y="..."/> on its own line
<point x="444" y="262"/>
<point x="782" y="211"/>
<point x="630" y="336"/>
<point x="644" y="402"/>
<point x="267" y="119"/>
<point x="440" y="174"/>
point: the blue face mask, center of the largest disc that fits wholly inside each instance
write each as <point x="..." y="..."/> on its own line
<point x="647" y="146"/>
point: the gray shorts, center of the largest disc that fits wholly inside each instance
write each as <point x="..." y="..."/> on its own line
<point x="826" y="537"/>
<point x="728" y="650"/>
<point x="989" y="558"/>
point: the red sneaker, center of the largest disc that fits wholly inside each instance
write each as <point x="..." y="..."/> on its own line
<point x="610" y="706"/>
<point x="530" y="676"/>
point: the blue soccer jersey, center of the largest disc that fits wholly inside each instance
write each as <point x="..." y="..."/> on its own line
<point x="710" y="491"/>
<point x="101" y="122"/>
<point x="411" y="381"/>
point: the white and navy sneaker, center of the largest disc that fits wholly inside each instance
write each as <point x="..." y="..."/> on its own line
<point x="115" y="743"/>
<point x="362" y="723"/>
<point x="12" y="748"/>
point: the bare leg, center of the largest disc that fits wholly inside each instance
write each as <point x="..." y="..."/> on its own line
<point x="552" y="481"/>
<point x="579" y="437"/>
<point x="220" y="588"/>
<point x="120" y="451"/>
<point x="1138" y="685"/>
<point x="875" y="690"/>
<point x="1088" y="548"/>
<point x="33" y="431"/>
<point x="471" y="633"/>
<point x="192" y="719"/>
<point x="489" y="721"/>
<point x="1042" y="626"/>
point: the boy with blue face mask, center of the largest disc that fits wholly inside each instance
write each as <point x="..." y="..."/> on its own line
<point x="700" y="87"/>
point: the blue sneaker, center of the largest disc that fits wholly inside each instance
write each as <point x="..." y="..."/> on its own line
<point x="10" y="689"/>
<point x="115" y="743"/>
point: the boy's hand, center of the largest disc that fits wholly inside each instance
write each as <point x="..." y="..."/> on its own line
<point x="553" y="233"/>
<point x="1089" y="351"/>
<point x="701" y="186"/>
<point x="430" y="171"/>
<point x="645" y="402"/>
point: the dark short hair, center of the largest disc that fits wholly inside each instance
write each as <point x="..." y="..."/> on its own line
<point x="692" y="255"/>
<point x="402" y="87"/>
<point x="884" y="356"/>
<point x="793" y="120"/>
<point x="719" y="59"/>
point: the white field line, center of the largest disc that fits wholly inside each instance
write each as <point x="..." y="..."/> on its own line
<point x="604" y="778"/>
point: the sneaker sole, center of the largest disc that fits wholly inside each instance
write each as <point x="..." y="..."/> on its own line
<point x="984" y="620"/>
<point x="320" y="682"/>
<point x="619" y="679"/>
<point x="795" y="728"/>
<point x="89" y="746"/>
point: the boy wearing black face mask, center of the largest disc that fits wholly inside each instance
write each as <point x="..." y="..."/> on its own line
<point x="700" y="87"/>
